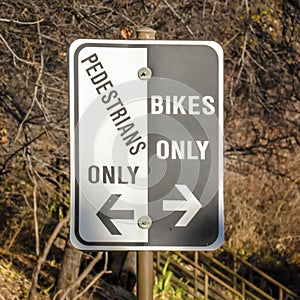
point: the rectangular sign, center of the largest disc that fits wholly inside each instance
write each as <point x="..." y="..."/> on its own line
<point x="146" y="121"/>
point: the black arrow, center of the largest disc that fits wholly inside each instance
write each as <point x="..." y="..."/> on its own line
<point x="105" y="214"/>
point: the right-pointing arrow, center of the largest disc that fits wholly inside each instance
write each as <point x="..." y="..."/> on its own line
<point x="190" y="205"/>
<point x="106" y="214"/>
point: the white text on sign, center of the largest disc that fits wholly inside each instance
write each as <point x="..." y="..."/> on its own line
<point x="176" y="105"/>
<point x="181" y="149"/>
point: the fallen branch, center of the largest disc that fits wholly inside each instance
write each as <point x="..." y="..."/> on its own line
<point x="21" y="23"/>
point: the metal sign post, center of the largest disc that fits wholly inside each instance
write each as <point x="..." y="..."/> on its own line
<point x="145" y="258"/>
<point x="145" y="275"/>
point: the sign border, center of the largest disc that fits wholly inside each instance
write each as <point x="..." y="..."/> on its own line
<point x="75" y="237"/>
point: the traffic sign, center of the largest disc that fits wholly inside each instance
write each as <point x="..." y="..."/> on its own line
<point x="146" y="122"/>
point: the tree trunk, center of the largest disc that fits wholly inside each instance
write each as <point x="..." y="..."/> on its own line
<point x="70" y="269"/>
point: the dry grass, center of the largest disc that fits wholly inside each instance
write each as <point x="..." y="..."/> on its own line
<point x="263" y="213"/>
<point x="13" y="284"/>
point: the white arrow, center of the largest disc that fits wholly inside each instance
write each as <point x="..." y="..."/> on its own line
<point x="190" y="205"/>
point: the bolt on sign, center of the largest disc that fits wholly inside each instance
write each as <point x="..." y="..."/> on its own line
<point x="146" y="145"/>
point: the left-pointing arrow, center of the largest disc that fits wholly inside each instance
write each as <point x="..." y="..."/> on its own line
<point x="106" y="214"/>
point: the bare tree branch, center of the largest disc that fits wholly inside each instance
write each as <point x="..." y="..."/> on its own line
<point x="15" y="56"/>
<point x="32" y="292"/>
<point x="82" y="276"/>
<point x="99" y="275"/>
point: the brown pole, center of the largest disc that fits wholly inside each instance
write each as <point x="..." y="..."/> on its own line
<point x="145" y="33"/>
<point x="145" y="258"/>
<point x="145" y="275"/>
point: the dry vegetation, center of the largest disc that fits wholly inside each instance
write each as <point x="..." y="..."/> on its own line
<point x="262" y="91"/>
